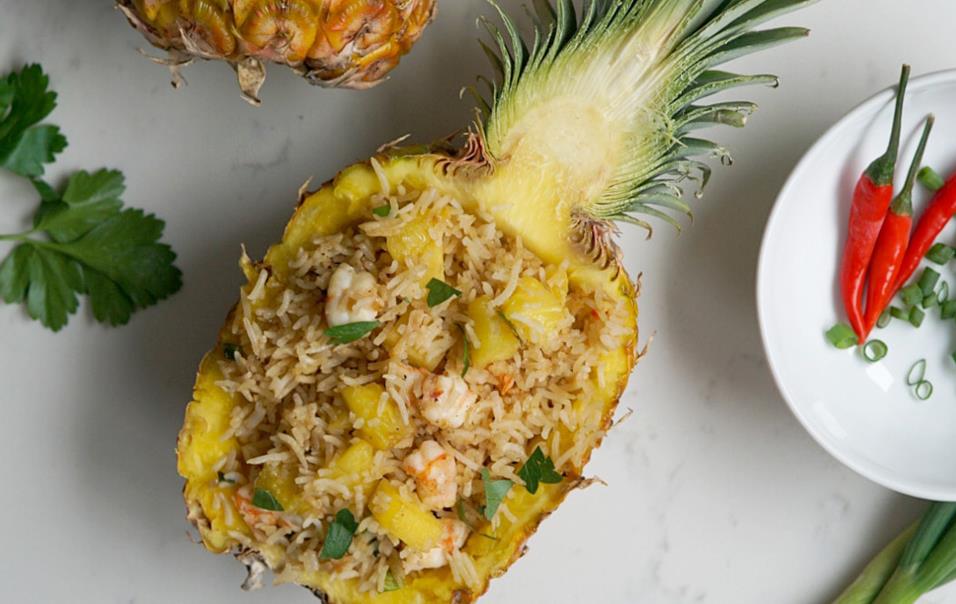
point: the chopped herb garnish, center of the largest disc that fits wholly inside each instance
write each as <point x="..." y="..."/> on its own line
<point x="842" y="336"/>
<point x="930" y="178"/>
<point x="923" y="390"/>
<point x="349" y="332"/>
<point x="439" y="291"/>
<point x="942" y="294"/>
<point x="916" y="316"/>
<point x="230" y="351"/>
<point x="391" y="583"/>
<point x="940" y="253"/>
<point x="898" y="313"/>
<point x="465" y="352"/>
<point x="885" y="318"/>
<point x="82" y="241"/>
<point x="930" y="300"/>
<point x="916" y="373"/>
<point x="537" y="469"/>
<point x="912" y="294"/>
<point x="874" y="350"/>
<point x="510" y="325"/>
<point x="382" y="211"/>
<point x="947" y="310"/>
<point x="264" y="500"/>
<point x="927" y="281"/>
<point x="495" y="491"/>
<point x="339" y="537"/>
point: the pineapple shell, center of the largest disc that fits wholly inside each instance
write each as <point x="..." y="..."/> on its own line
<point x="343" y="43"/>
<point x="584" y="127"/>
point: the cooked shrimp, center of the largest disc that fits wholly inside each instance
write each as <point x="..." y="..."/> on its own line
<point x="351" y="297"/>
<point x="435" y="472"/>
<point x="454" y="536"/>
<point x="446" y="400"/>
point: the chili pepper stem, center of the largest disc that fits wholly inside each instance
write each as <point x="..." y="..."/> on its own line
<point x="882" y="169"/>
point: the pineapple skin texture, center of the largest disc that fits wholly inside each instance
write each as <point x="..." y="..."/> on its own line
<point x="345" y="43"/>
<point x="339" y="203"/>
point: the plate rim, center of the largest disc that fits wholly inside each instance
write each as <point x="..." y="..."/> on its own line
<point x="871" y="472"/>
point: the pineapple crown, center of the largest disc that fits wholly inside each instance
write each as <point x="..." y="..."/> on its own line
<point x="608" y="96"/>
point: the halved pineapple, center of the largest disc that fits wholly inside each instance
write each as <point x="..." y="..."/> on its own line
<point x="588" y="127"/>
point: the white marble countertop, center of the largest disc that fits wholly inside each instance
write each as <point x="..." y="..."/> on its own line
<point x="715" y="492"/>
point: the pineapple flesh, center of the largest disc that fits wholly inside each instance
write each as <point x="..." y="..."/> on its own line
<point x="345" y="43"/>
<point x="587" y="127"/>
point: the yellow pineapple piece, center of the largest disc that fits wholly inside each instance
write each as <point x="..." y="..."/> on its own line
<point x="405" y="518"/>
<point x="279" y="480"/>
<point x="496" y="340"/>
<point x="383" y="430"/>
<point x="354" y="466"/>
<point x="557" y="280"/>
<point x="534" y="309"/>
<point x="413" y="246"/>
<point x="424" y="355"/>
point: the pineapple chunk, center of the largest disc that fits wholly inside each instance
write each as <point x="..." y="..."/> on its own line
<point x="414" y="246"/>
<point x="496" y="341"/>
<point x="424" y="355"/>
<point x="279" y="480"/>
<point x="406" y="519"/>
<point x="383" y="430"/>
<point x="339" y="420"/>
<point x="354" y="466"/>
<point x="534" y="309"/>
<point x="557" y="279"/>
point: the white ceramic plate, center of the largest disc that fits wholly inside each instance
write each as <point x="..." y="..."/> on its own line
<point x="863" y="413"/>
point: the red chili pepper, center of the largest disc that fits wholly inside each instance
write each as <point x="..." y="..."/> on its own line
<point x="893" y="241"/>
<point x="871" y="200"/>
<point x="931" y="223"/>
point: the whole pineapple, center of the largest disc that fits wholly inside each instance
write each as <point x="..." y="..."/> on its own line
<point x="588" y="126"/>
<point x="345" y="43"/>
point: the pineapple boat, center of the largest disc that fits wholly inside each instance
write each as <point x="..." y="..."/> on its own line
<point x="416" y="375"/>
<point x="346" y="43"/>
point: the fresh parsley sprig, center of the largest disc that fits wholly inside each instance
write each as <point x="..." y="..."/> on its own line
<point x="82" y="240"/>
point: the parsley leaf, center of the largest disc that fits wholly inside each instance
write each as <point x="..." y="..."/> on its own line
<point x="439" y="291"/>
<point x="339" y="537"/>
<point x="511" y="326"/>
<point x="88" y="244"/>
<point x="495" y="491"/>
<point x="25" y="145"/>
<point x="349" y="332"/>
<point x="538" y="469"/>
<point x="265" y="500"/>
<point x="382" y="211"/>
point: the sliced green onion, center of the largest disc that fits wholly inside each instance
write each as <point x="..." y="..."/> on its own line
<point x="898" y="313"/>
<point x="942" y="294"/>
<point x="930" y="179"/>
<point x="953" y="356"/>
<point x="927" y="281"/>
<point x="842" y="336"/>
<point x="912" y="294"/>
<point x="916" y="373"/>
<point x="916" y="316"/>
<point x="930" y="301"/>
<point x="884" y="319"/>
<point x="940" y="253"/>
<point x="923" y="390"/>
<point x="947" y="310"/>
<point x="382" y="211"/>
<point x="874" y="350"/>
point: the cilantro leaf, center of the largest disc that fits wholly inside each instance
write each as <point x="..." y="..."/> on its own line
<point x="465" y="351"/>
<point x="264" y="500"/>
<point x="349" y="332"/>
<point x="495" y="491"/>
<point x="25" y="99"/>
<point x="439" y="291"/>
<point x="382" y="211"/>
<point x="92" y="245"/>
<point x="538" y="469"/>
<point x="391" y="583"/>
<point x="339" y="537"/>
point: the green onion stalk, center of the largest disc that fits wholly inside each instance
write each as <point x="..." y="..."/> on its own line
<point x="921" y="559"/>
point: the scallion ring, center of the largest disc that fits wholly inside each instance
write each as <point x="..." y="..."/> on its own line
<point x="874" y="350"/>
<point x="916" y="373"/>
<point x="943" y="294"/>
<point x="923" y="389"/>
<point x="884" y="319"/>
